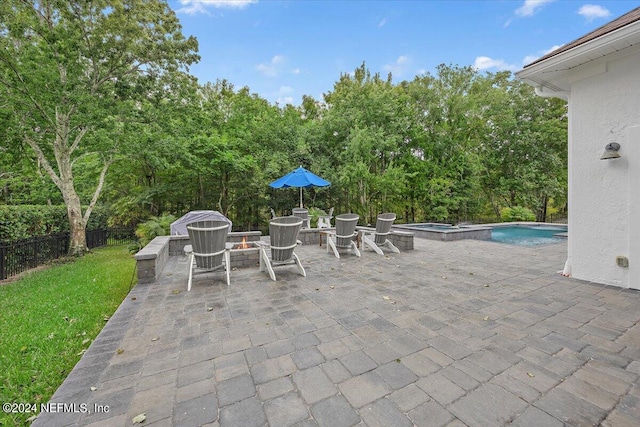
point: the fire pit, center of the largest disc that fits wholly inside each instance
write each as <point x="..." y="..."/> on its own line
<point x="244" y="254"/>
<point x="244" y="244"/>
<point x="151" y="260"/>
<point x="244" y="251"/>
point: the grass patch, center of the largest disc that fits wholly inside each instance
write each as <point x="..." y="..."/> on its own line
<point x="49" y="317"/>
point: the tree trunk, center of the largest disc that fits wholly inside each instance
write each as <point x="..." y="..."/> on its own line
<point x="542" y="212"/>
<point x="65" y="183"/>
<point x="77" y="226"/>
<point x="63" y="151"/>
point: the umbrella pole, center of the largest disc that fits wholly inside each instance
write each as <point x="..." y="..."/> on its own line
<point x="300" y="196"/>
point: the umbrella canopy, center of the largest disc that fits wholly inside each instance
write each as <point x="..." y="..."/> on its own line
<point x="300" y="178"/>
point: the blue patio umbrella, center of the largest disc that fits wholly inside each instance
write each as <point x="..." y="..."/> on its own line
<point x="300" y="178"/>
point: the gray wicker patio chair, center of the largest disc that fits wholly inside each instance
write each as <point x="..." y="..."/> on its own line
<point x="324" y="221"/>
<point x="344" y="234"/>
<point x="283" y="238"/>
<point x="208" y="247"/>
<point x="381" y="234"/>
<point x="303" y="214"/>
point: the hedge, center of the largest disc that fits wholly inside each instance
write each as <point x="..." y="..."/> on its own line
<point x="26" y="221"/>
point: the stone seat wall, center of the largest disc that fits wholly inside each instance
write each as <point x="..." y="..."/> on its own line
<point x="151" y="259"/>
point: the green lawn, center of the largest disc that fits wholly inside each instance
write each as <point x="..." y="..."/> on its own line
<point x="48" y="318"/>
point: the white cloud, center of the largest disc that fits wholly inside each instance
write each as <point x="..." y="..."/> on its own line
<point x="285" y="90"/>
<point x="276" y="67"/>
<point x="399" y="67"/>
<point x="592" y="11"/>
<point x="286" y="100"/>
<point x="192" y="7"/>
<point x="531" y="7"/>
<point x="284" y="95"/>
<point x="382" y="23"/>
<point x="532" y="57"/>
<point x="486" y="63"/>
<point x="273" y="67"/>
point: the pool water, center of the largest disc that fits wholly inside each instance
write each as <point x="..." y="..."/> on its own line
<point x="527" y="236"/>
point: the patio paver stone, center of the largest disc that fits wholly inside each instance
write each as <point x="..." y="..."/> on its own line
<point x="463" y="333"/>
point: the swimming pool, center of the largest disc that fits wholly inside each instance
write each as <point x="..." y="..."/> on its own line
<point x="528" y="235"/>
<point x="514" y="233"/>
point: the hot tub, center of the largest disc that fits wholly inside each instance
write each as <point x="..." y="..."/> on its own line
<point x="446" y="232"/>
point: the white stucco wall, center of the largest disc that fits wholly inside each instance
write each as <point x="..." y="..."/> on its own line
<point x="602" y="196"/>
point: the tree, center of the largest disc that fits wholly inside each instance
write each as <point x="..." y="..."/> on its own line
<point x="445" y="126"/>
<point x="361" y="134"/>
<point x="72" y="72"/>
<point x="523" y="146"/>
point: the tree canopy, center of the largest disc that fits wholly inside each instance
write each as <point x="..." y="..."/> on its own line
<point x="74" y="75"/>
<point x="110" y="115"/>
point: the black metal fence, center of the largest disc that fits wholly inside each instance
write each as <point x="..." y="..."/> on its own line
<point x="21" y="255"/>
<point x="110" y="237"/>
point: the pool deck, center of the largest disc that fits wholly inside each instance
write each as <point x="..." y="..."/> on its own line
<point x="458" y="333"/>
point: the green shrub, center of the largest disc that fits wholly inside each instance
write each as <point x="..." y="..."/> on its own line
<point x="314" y="213"/>
<point x="517" y="213"/>
<point x="26" y="221"/>
<point x="155" y="226"/>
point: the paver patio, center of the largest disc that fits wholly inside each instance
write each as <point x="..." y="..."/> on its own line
<point x="452" y="333"/>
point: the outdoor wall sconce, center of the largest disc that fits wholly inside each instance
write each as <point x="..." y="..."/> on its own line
<point x="611" y="151"/>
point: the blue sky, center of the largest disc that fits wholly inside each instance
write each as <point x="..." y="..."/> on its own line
<point x="282" y="50"/>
